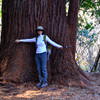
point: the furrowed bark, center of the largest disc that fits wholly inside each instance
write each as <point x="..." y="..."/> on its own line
<point x="21" y="18"/>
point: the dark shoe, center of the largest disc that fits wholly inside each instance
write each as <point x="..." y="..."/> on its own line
<point x="44" y="85"/>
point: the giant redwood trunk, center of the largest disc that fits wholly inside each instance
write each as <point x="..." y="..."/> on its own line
<point x="20" y="19"/>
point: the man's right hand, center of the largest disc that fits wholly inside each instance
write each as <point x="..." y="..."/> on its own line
<point x="17" y="41"/>
<point x="61" y="48"/>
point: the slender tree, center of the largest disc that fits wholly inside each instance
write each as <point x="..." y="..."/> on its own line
<point x="20" y="18"/>
<point x="95" y="66"/>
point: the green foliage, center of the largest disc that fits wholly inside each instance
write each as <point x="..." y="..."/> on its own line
<point x="87" y="4"/>
<point x="0" y="8"/>
<point x="86" y="39"/>
<point x="89" y="12"/>
<point x="0" y="13"/>
<point x="89" y="9"/>
<point x="92" y="5"/>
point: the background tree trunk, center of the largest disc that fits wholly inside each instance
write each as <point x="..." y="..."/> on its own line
<point x="20" y="19"/>
<point x="94" y="68"/>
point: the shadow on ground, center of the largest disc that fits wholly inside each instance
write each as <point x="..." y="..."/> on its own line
<point x="28" y="91"/>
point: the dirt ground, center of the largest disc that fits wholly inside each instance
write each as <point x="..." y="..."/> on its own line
<point x="28" y="91"/>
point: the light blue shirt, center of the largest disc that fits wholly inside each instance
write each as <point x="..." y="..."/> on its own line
<point x="41" y="46"/>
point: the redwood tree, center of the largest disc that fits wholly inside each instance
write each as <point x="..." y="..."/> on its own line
<point x="19" y="20"/>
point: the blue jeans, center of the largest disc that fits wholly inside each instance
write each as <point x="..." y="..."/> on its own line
<point x="41" y="62"/>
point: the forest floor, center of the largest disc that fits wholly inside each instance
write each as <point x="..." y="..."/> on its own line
<point x="28" y="91"/>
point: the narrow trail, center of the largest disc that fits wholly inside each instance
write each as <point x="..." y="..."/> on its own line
<point x="28" y="91"/>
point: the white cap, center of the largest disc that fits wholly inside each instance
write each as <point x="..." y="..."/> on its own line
<point x="40" y="28"/>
